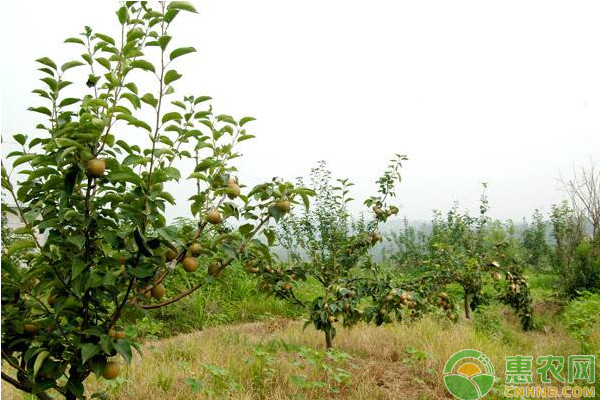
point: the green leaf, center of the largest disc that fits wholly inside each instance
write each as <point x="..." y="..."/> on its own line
<point x="149" y="98"/>
<point x="74" y="40"/>
<point x="305" y="200"/>
<point x="160" y="151"/>
<point x="170" y="15"/>
<point x="105" y="38"/>
<point x="133" y="99"/>
<point x="134" y="121"/>
<point x="68" y="101"/>
<point x="40" y="172"/>
<point x="246" y="229"/>
<point x="70" y="64"/>
<point x="271" y="237"/>
<point x="21" y="245"/>
<point x="43" y="386"/>
<point x="135" y="34"/>
<point x="169" y="233"/>
<point x="23" y="159"/>
<point x="88" y="350"/>
<point x="63" y="84"/>
<point x="105" y="343"/>
<point x="89" y="60"/>
<point x="20" y="138"/>
<point x="66" y="142"/>
<point x="133" y="159"/>
<point x="172" y="116"/>
<point x="204" y="164"/>
<point x="124" y="146"/>
<point x="179" y="104"/>
<point x="122" y="15"/>
<point x="171" y="76"/>
<point x="70" y="178"/>
<point x="245" y="120"/>
<point x="123" y="347"/>
<point x="77" y="240"/>
<point x="46" y="61"/>
<point x="167" y="196"/>
<point x="41" y="110"/>
<point x="96" y="103"/>
<point x="163" y="41"/>
<point x="77" y="267"/>
<point x="226" y="118"/>
<point x="275" y="213"/>
<point x="104" y="62"/>
<point x="201" y="99"/>
<point x="172" y="172"/>
<point x="47" y="71"/>
<point x="245" y="137"/>
<point x="42" y="93"/>
<point x="263" y="249"/>
<point x="39" y="361"/>
<point x="125" y="176"/>
<point x="52" y="83"/>
<point x="132" y="86"/>
<point x="75" y="387"/>
<point x="143" y="64"/>
<point x="181" y="51"/>
<point x="142" y="271"/>
<point x="181" y="5"/>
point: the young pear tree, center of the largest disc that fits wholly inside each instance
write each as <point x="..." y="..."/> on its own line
<point x="474" y="253"/>
<point x="325" y="244"/>
<point x="90" y="189"/>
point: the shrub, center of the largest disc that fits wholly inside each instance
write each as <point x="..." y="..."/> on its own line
<point x="582" y="319"/>
<point x="576" y="257"/>
<point x="534" y="239"/>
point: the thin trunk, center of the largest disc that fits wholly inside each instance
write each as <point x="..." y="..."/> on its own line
<point x="467" y="304"/>
<point x="328" y="342"/>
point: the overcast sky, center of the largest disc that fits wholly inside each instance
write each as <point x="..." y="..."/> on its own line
<point x="472" y="91"/>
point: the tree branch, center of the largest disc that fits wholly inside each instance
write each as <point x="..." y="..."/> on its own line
<point x="24" y="387"/>
<point x="172" y="300"/>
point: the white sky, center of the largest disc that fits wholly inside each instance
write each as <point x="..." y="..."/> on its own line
<point x="504" y="92"/>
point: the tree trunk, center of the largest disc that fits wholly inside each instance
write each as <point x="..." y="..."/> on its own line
<point x="467" y="304"/>
<point x="24" y="385"/>
<point x="328" y="342"/>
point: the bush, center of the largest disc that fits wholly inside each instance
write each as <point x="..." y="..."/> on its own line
<point x="576" y="256"/>
<point x="467" y="250"/>
<point x="232" y="298"/>
<point x="538" y="250"/>
<point x="582" y="319"/>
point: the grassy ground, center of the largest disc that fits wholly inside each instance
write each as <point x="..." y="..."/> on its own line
<point x="233" y="298"/>
<point x="273" y="358"/>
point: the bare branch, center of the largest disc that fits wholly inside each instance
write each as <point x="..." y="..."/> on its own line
<point x="583" y="190"/>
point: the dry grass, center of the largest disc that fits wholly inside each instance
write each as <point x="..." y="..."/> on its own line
<point x="260" y="360"/>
